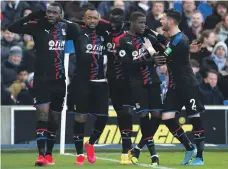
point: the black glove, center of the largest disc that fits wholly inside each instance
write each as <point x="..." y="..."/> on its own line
<point x="40" y="14"/>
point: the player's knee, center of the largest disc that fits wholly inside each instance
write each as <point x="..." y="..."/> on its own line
<point x="81" y="118"/>
<point x="156" y="114"/>
<point x="168" y="115"/>
<point x="54" y="116"/>
<point x="143" y="114"/>
<point x="42" y="115"/>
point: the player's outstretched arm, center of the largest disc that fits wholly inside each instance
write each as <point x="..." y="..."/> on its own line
<point x="73" y="29"/>
<point x="27" y="24"/>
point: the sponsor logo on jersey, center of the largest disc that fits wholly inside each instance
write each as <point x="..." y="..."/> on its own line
<point x="94" y="49"/>
<point x="56" y="45"/>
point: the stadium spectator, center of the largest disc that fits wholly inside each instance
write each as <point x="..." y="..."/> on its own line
<point x="140" y="6"/>
<point x="36" y="5"/>
<point x="8" y="40"/>
<point x="219" y="55"/>
<point x="25" y="96"/>
<point x="19" y="84"/>
<point x="219" y="12"/>
<point x="154" y="15"/>
<point x="105" y="7"/>
<point x="188" y="8"/>
<point x="12" y="11"/>
<point x="205" y="7"/>
<point x="10" y="66"/>
<point x="207" y="39"/>
<point x="193" y="32"/>
<point x="196" y="68"/>
<point x="6" y="97"/>
<point x="223" y="81"/>
<point x="221" y="29"/>
<point x="209" y="92"/>
<point x="74" y="10"/>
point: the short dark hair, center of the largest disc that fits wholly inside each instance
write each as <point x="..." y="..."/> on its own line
<point x="135" y="15"/>
<point x="211" y="71"/>
<point x="117" y="11"/>
<point x="160" y="2"/>
<point x="205" y="34"/>
<point x="91" y="8"/>
<point x="21" y="69"/>
<point x="173" y="14"/>
<point x="57" y="4"/>
<point x="221" y="3"/>
<point x="194" y="63"/>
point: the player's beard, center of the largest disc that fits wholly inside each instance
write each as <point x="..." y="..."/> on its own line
<point x="165" y="27"/>
<point x="92" y="26"/>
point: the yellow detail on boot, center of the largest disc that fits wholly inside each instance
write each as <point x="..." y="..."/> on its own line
<point x="124" y="159"/>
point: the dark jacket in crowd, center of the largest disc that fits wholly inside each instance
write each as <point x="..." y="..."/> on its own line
<point x="9" y="73"/>
<point x="25" y="97"/>
<point x="210" y="96"/>
<point x="223" y="84"/>
<point x="5" y="48"/>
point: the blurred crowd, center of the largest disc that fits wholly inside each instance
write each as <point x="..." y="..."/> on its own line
<point x="204" y="22"/>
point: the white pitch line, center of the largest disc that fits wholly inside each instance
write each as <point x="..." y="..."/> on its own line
<point x="117" y="161"/>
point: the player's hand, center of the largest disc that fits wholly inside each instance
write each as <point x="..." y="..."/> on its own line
<point x="156" y="33"/>
<point x="160" y="60"/>
<point x="40" y="14"/>
<point x="195" y="47"/>
<point x="148" y="46"/>
<point x="147" y="43"/>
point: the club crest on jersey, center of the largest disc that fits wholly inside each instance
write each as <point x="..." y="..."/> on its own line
<point x="63" y="32"/>
<point x="122" y="53"/>
<point x="109" y="45"/>
<point x="134" y="53"/>
<point x="89" y="47"/>
<point x="56" y="45"/>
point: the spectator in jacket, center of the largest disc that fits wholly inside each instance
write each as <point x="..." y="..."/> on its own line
<point x="221" y="29"/>
<point x="219" y="55"/>
<point x="10" y="66"/>
<point x="6" y="97"/>
<point x="8" y="40"/>
<point x="188" y="8"/>
<point x="19" y="84"/>
<point x="196" y="68"/>
<point x="25" y="96"/>
<point x="223" y="81"/>
<point x="154" y="15"/>
<point x="219" y="12"/>
<point x="194" y="31"/>
<point x="209" y="92"/>
<point x="207" y="39"/>
<point x="12" y="11"/>
<point x="105" y="7"/>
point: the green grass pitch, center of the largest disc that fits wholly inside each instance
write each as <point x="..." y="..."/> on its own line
<point x="168" y="160"/>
